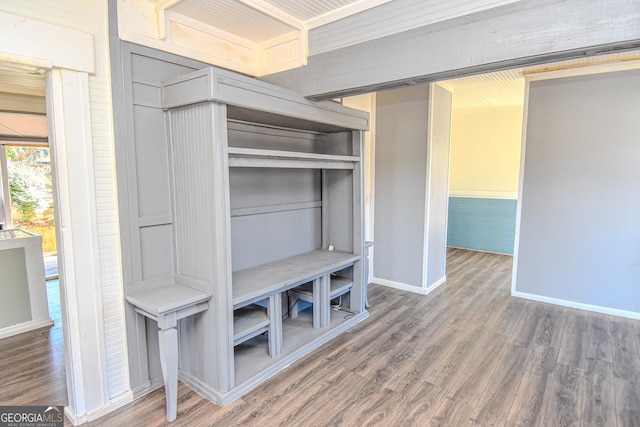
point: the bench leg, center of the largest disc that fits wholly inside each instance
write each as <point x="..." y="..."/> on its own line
<point x="168" y="340"/>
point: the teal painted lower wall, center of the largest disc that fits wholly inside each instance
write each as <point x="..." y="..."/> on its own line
<point x="482" y="224"/>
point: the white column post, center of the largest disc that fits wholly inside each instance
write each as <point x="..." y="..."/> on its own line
<point x="68" y="107"/>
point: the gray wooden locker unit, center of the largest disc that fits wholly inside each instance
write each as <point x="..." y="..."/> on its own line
<point x="267" y="195"/>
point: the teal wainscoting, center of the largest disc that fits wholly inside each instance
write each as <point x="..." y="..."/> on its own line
<point x="482" y="224"/>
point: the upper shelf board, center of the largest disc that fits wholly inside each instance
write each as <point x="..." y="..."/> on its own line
<point x="260" y="102"/>
<point x="251" y="157"/>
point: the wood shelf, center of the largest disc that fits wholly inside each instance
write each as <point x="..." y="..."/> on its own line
<point x="256" y="283"/>
<point x="256" y="158"/>
<point x="248" y="322"/>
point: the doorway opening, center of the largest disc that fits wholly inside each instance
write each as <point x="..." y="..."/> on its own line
<point x="27" y="203"/>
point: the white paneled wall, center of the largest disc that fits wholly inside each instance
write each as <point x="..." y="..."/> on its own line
<point x="90" y="16"/>
<point x="485" y="151"/>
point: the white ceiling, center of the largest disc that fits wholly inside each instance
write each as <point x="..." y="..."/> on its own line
<point x="17" y="90"/>
<point x="235" y="18"/>
<point x="262" y="20"/>
<point x="307" y="10"/>
<point x="21" y="83"/>
<point x="24" y="126"/>
<point x="506" y="88"/>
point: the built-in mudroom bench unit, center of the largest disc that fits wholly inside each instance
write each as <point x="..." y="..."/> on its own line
<point x="267" y="218"/>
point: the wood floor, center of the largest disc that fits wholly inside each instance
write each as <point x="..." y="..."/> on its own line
<point x="468" y="354"/>
<point x="32" y="364"/>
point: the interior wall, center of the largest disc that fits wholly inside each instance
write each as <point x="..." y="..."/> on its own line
<point x="400" y="185"/>
<point x="579" y="236"/>
<point x="485" y="165"/>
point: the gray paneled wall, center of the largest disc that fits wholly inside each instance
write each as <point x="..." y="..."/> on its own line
<point x="580" y="205"/>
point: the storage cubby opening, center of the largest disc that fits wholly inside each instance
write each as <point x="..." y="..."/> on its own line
<point x="252" y="356"/>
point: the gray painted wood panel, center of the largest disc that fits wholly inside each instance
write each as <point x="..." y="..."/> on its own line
<point x="152" y="169"/>
<point x="141" y="166"/>
<point x="258" y="239"/>
<point x="340" y="201"/>
<point x="156" y="252"/>
<point x="266" y="237"/>
<point x="274" y="105"/>
<point x="251" y="135"/>
<point x="264" y="187"/>
<point x="202" y="241"/>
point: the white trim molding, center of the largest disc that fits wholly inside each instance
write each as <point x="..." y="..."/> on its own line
<point x="23" y="327"/>
<point x="38" y="45"/>
<point x="578" y="305"/>
<point x="436" y="284"/>
<point x="484" y="194"/>
<point x="407" y="287"/>
<point x="399" y="285"/>
<point x="523" y="151"/>
<point x="68" y="107"/>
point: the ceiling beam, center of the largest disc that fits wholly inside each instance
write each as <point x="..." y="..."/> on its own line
<point x="161" y="9"/>
<point x="272" y="11"/>
<point x="343" y="12"/>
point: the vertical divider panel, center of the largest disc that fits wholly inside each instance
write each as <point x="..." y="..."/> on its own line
<point x="200" y="200"/>
<point x="326" y="206"/>
<point x="357" y="298"/>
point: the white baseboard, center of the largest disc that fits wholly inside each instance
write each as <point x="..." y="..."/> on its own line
<point x="437" y="283"/>
<point x="21" y="328"/>
<point x="115" y="403"/>
<point x="479" y="250"/>
<point x="410" y="288"/>
<point x="400" y="285"/>
<point x="578" y="305"/>
<point x="75" y="420"/>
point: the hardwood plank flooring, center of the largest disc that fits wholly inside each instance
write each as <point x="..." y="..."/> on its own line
<point x="32" y="363"/>
<point x="468" y="354"/>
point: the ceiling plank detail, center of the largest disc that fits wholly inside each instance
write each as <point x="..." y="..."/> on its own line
<point x="254" y="37"/>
